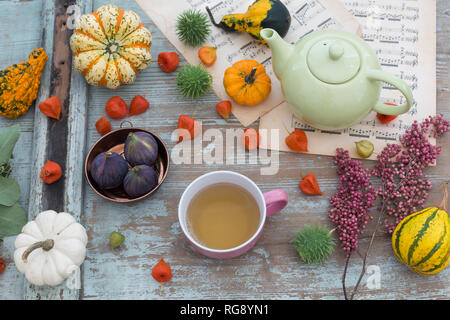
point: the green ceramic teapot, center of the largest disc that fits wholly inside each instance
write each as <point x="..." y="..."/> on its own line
<point x="332" y="79"/>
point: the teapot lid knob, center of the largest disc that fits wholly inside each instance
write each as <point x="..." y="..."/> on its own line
<point x="333" y="60"/>
<point x="336" y="51"/>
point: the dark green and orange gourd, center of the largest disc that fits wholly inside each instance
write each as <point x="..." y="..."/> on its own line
<point x="422" y="240"/>
<point x="261" y="14"/>
<point x="19" y="84"/>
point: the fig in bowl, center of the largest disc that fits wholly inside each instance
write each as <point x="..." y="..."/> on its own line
<point x="108" y="169"/>
<point x="139" y="180"/>
<point x="140" y="148"/>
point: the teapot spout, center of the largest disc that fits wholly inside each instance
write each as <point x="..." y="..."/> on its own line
<point x="281" y="50"/>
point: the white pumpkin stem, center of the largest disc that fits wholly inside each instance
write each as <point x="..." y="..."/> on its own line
<point x="45" y="245"/>
<point x="443" y="205"/>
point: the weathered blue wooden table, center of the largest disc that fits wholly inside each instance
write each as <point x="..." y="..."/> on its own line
<point x="271" y="270"/>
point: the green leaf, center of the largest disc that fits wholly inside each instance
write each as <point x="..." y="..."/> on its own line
<point x="12" y="220"/>
<point x="8" y="139"/>
<point x="9" y="191"/>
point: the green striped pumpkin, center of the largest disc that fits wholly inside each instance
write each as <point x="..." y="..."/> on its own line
<point x="422" y="241"/>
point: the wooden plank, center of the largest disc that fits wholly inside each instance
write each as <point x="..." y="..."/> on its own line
<point x="272" y="270"/>
<point x="61" y="140"/>
<point x="16" y="42"/>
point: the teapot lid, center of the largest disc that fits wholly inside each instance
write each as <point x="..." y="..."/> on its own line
<point x="333" y="60"/>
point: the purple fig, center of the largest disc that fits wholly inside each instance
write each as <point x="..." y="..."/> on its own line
<point x="140" y="148"/>
<point x="108" y="170"/>
<point x="140" y="180"/>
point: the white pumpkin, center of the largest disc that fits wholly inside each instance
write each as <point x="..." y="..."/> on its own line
<point x="50" y="248"/>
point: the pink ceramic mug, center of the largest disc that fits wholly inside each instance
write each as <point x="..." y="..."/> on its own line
<point x="269" y="203"/>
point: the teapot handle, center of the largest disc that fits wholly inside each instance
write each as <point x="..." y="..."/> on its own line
<point x="401" y="85"/>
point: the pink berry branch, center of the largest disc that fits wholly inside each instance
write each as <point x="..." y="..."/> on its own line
<point x="351" y="204"/>
<point x="402" y="191"/>
<point x="381" y="212"/>
<point x="401" y="170"/>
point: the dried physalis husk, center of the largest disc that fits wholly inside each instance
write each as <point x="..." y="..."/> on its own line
<point x="116" y="239"/>
<point x="50" y="172"/>
<point x="364" y="148"/>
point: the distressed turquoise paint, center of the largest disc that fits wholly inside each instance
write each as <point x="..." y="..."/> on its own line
<point x="17" y="40"/>
<point x="272" y="270"/>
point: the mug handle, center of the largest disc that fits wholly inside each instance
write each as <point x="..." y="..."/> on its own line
<point x="276" y="200"/>
<point x="401" y="85"/>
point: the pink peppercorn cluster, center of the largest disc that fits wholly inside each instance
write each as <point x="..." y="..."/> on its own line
<point x="404" y="187"/>
<point x="351" y="204"/>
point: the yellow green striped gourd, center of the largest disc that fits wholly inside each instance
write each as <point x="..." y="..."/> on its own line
<point x="422" y="240"/>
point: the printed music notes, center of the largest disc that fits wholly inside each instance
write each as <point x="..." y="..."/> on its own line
<point x="403" y="35"/>
<point x="306" y="16"/>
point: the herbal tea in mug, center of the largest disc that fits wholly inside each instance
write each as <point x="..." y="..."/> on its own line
<point x="222" y="213"/>
<point x="223" y="216"/>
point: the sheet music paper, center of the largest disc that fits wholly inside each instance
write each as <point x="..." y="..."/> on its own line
<point x="306" y="17"/>
<point x="403" y="35"/>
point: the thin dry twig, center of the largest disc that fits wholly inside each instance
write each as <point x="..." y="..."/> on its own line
<point x="380" y="215"/>
<point x="363" y="271"/>
<point x="345" y="275"/>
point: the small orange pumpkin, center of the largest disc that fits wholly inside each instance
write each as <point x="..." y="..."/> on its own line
<point x="247" y="82"/>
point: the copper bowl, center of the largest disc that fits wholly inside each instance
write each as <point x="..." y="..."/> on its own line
<point x="114" y="141"/>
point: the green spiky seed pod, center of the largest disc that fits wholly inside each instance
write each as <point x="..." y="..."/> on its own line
<point x="193" y="27"/>
<point x="193" y="81"/>
<point x="314" y="244"/>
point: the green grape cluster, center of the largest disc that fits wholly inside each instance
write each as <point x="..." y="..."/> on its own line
<point x="5" y="170"/>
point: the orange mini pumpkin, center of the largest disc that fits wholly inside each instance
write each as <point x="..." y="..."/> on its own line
<point x="247" y="82"/>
